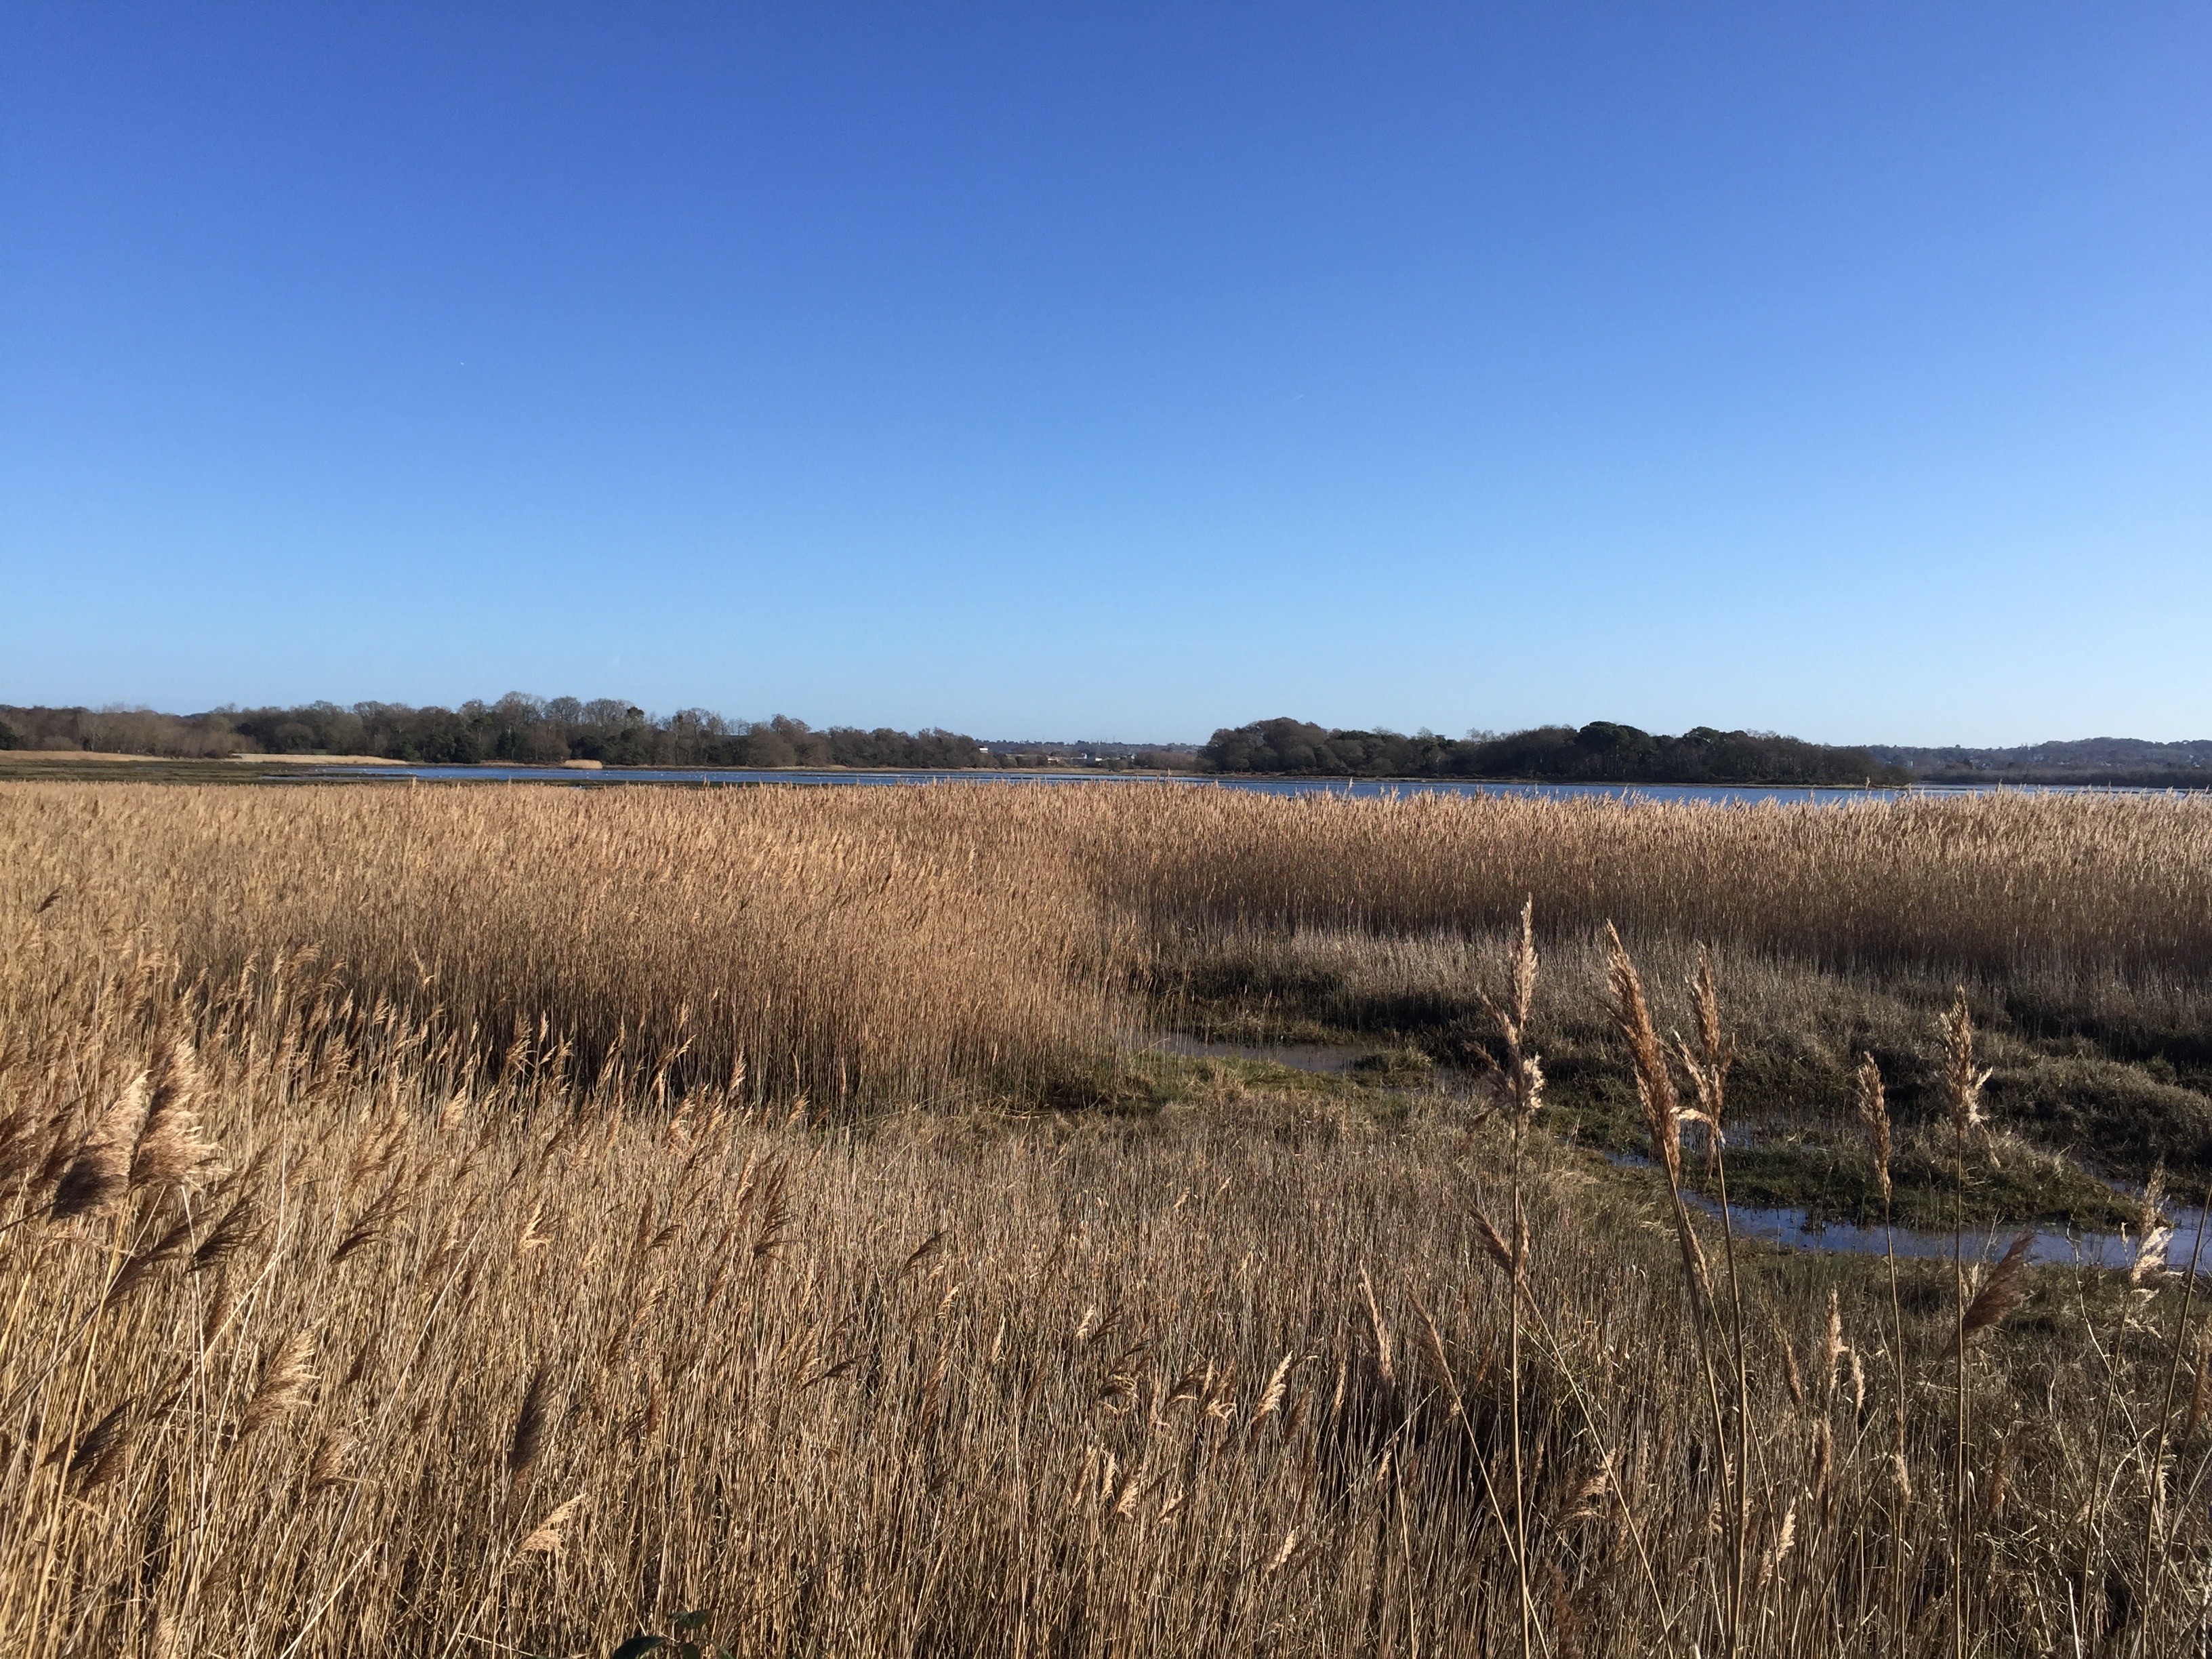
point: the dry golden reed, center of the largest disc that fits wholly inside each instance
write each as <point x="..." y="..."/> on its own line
<point x="968" y="942"/>
<point x="489" y="1290"/>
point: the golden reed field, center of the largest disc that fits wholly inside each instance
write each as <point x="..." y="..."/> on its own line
<point x="533" y="1221"/>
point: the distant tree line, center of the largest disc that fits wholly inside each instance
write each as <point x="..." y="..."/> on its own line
<point x="517" y="729"/>
<point x="1601" y="753"/>
<point x="117" y="731"/>
<point x="2130" y="763"/>
<point x="525" y="730"/>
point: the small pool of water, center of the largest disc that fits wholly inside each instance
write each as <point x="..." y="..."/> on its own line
<point x="2051" y="1246"/>
<point x="1791" y="1228"/>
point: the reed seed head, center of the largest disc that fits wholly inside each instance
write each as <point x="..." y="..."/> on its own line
<point x="100" y="1173"/>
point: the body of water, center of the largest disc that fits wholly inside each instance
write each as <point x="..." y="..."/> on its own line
<point x="1357" y="789"/>
<point x="2049" y="1245"/>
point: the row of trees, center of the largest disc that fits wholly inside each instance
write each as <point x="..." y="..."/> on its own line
<point x="2126" y="762"/>
<point x="1601" y="753"/>
<point x="517" y="729"/>
<point x="525" y="730"/>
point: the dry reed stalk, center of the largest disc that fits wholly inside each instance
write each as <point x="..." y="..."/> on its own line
<point x="1873" y="1107"/>
<point x="2148" y="1262"/>
<point x="933" y="1484"/>
<point x="2153" y="1563"/>
<point x="1962" y="1081"/>
<point x="1663" y="1116"/>
<point x="1708" y="1067"/>
<point x="285" y="1381"/>
<point x="100" y="1172"/>
<point x="1517" y="1086"/>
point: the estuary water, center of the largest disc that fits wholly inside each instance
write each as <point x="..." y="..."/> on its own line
<point x="1356" y="789"/>
<point x="2049" y="1245"/>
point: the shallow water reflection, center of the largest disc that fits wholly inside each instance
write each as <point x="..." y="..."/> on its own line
<point x="2052" y="1245"/>
<point x="1355" y="788"/>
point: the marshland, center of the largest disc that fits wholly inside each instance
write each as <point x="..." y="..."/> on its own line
<point x="525" y="1220"/>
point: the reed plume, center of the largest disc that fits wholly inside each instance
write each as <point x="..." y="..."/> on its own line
<point x="95" y="1457"/>
<point x="548" y="1536"/>
<point x="1963" y="1077"/>
<point x="100" y="1173"/>
<point x="170" y="1151"/>
<point x="1708" y="1064"/>
<point x="1655" y="1083"/>
<point x="2000" y="1297"/>
<point x="1873" y="1119"/>
<point x="285" y="1381"/>
<point x="528" y="1439"/>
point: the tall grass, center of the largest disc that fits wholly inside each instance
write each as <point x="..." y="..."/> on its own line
<point x="964" y="940"/>
<point x="393" y="1357"/>
<point x="333" y="1327"/>
<point x="880" y="949"/>
<point x="1996" y="882"/>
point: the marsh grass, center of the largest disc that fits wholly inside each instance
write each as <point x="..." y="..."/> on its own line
<point x="1232" y="1376"/>
<point x="2118" y="1104"/>
<point x="461" y="1248"/>
<point x="833" y="948"/>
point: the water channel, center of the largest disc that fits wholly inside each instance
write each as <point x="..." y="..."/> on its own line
<point x="1350" y="788"/>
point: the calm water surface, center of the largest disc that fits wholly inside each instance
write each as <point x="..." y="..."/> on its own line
<point x="1789" y="1227"/>
<point x="1356" y="789"/>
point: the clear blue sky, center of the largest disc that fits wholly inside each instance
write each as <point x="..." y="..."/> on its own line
<point x="1124" y="371"/>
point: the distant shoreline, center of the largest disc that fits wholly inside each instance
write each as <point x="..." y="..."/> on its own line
<point x="24" y="764"/>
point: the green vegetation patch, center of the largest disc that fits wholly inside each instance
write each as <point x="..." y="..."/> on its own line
<point x="1147" y="1081"/>
<point x="2127" y="1116"/>
<point x="2012" y="1185"/>
<point x="1403" y="1067"/>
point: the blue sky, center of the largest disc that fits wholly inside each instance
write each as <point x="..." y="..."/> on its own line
<point x="1063" y="370"/>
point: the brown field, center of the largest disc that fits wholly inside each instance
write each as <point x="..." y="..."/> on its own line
<point x="511" y="1220"/>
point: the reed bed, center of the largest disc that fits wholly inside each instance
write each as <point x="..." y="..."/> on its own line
<point x="327" y="1337"/>
<point x="877" y="949"/>
<point x="438" y="1222"/>
<point x="961" y="942"/>
<point x="2000" y="883"/>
